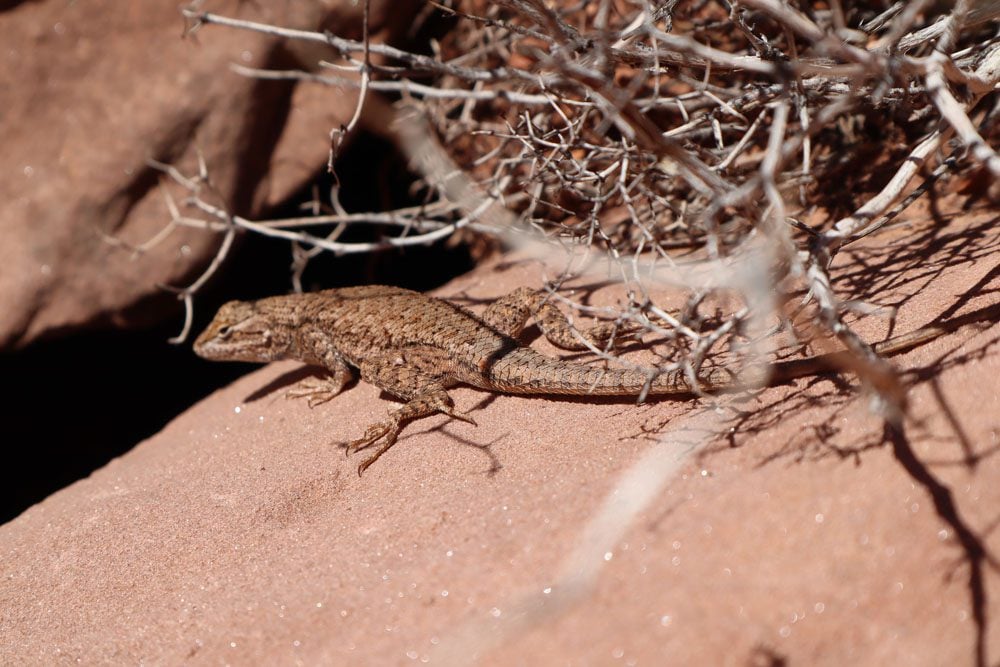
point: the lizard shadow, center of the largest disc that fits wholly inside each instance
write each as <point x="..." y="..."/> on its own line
<point x="485" y="448"/>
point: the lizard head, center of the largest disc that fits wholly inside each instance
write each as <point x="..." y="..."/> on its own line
<point x="240" y="331"/>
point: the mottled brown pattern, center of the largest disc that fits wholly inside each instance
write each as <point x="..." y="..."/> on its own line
<point x="415" y="346"/>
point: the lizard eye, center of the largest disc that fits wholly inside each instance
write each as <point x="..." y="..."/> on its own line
<point x="225" y="331"/>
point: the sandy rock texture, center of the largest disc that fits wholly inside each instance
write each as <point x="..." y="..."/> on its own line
<point x="90" y="91"/>
<point x="787" y="527"/>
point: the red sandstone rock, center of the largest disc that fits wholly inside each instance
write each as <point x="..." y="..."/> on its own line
<point x="783" y="527"/>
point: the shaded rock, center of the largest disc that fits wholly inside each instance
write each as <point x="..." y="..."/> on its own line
<point x="90" y="91"/>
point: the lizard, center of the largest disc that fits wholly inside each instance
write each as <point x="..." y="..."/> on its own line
<point x="415" y="347"/>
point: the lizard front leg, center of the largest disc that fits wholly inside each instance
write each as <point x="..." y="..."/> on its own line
<point x="317" y="391"/>
<point x="424" y="394"/>
<point x="510" y="313"/>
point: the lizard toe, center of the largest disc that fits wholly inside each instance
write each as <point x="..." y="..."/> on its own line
<point x="387" y="429"/>
<point x="383" y="448"/>
<point x="315" y="393"/>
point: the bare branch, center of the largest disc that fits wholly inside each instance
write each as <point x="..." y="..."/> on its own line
<point x="684" y="160"/>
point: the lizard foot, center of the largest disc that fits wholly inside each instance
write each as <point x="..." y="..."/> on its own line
<point x="388" y="429"/>
<point x="613" y="335"/>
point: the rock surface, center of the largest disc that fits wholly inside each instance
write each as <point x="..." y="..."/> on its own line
<point x="783" y="527"/>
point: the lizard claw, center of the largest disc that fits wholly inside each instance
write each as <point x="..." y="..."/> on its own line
<point x="367" y="462"/>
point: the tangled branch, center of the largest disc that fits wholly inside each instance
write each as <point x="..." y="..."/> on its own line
<point x="687" y="141"/>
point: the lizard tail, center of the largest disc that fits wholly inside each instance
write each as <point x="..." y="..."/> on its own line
<point x="524" y="371"/>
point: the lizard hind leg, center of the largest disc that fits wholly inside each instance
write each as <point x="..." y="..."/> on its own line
<point x="424" y="395"/>
<point x="387" y="430"/>
<point x="510" y="313"/>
